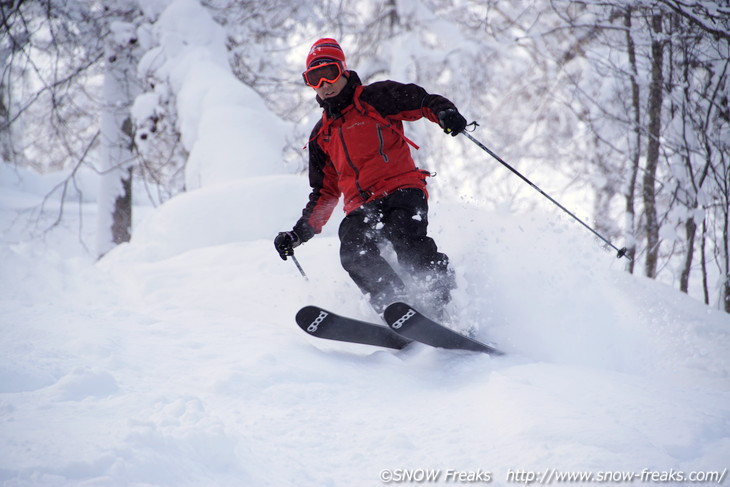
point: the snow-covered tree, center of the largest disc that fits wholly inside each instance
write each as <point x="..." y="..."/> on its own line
<point x="117" y="158"/>
<point x="50" y="52"/>
<point x="647" y="82"/>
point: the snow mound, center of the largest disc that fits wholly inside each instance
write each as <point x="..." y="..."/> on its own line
<point x="239" y="211"/>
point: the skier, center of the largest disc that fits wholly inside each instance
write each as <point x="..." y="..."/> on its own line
<point x="358" y="149"/>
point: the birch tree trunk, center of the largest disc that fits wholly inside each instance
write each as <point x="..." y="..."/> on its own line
<point x="114" y="224"/>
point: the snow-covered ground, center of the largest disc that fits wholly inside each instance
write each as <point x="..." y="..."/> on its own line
<point x="175" y="360"/>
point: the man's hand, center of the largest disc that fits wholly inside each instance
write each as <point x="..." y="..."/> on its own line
<point x="285" y="242"/>
<point x="452" y="121"/>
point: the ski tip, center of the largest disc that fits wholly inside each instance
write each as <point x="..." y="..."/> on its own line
<point x="310" y="317"/>
<point x="307" y="309"/>
<point x="397" y="307"/>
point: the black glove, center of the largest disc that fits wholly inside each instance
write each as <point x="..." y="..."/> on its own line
<point x="452" y="121"/>
<point x="285" y="242"/>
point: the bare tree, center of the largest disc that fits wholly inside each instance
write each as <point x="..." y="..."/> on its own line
<point x="654" y="126"/>
<point x="52" y="57"/>
<point x="634" y="141"/>
<point x="652" y="89"/>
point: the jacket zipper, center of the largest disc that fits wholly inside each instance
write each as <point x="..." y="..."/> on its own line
<point x="382" y="144"/>
<point x="363" y="194"/>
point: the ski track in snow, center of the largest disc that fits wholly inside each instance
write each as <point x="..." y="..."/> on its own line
<point x="175" y="360"/>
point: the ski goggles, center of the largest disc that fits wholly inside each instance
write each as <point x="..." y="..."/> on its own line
<point x="316" y="75"/>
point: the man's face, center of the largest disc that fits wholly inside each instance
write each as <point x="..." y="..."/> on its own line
<point x="328" y="90"/>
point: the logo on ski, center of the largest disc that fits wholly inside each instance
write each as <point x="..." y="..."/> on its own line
<point x="400" y="321"/>
<point x="312" y="328"/>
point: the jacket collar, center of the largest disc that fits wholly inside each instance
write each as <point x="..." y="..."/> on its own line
<point x="334" y="106"/>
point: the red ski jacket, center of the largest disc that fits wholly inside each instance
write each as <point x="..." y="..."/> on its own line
<point x="358" y="148"/>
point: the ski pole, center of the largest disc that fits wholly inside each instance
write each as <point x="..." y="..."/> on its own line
<point x="301" y="271"/>
<point x="622" y="252"/>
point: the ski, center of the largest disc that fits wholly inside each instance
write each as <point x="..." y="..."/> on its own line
<point x="408" y="322"/>
<point x="321" y="323"/>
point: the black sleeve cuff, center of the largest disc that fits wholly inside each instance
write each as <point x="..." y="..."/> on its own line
<point x="304" y="230"/>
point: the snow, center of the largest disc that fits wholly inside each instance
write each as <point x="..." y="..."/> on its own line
<point x="175" y="360"/>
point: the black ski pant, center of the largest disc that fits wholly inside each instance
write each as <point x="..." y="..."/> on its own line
<point x="400" y="218"/>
